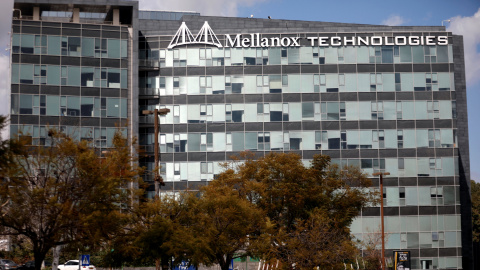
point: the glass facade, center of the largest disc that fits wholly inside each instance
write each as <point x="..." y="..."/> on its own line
<point x="71" y="76"/>
<point x="382" y="108"/>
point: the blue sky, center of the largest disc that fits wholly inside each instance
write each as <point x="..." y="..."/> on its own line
<point x="464" y="16"/>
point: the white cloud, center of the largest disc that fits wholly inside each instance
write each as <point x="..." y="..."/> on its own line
<point x="394" y="20"/>
<point x="6" y="7"/>
<point x="4" y="83"/>
<point x="205" y="7"/>
<point x="4" y="90"/>
<point x="475" y="176"/>
<point x="5" y="28"/>
<point x="469" y="27"/>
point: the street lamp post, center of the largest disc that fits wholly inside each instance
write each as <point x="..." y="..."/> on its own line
<point x="381" y="174"/>
<point x="156" y="113"/>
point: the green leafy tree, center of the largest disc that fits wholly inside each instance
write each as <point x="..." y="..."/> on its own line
<point x="65" y="192"/>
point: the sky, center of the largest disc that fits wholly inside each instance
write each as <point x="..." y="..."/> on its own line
<point x="461" y="17"/>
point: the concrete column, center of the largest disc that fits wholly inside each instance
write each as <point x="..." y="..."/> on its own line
<point x="36" y="13"/>
<point x="116" y="16"/>
<point x="76" y="15"/>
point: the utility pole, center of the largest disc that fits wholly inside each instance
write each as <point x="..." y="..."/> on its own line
<point x="157" y="179"/>
<point x="381" y="174"/>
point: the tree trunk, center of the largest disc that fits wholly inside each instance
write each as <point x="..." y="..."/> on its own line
<point x="165" y="263"/>
<point x="39" y="256"/>
<point x="225" y="262"/>
<point x="56" y="257"/>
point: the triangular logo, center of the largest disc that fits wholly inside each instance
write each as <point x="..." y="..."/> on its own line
<point x="207" y="36"/>
<point x="204" y="36"/>
<point x="85" y="261"/>
<point x="182" y="37"/>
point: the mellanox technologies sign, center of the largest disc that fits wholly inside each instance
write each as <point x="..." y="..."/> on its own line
<point x="206" y="36"/>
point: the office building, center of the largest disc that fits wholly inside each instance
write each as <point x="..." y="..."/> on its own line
<point x="387" y="99"/>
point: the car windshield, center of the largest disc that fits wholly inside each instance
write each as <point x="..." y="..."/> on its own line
<point x="7" y="262"/>
<point x="71" y="263"/>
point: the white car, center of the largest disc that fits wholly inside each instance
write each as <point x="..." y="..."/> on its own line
<point x="74" y="265"/>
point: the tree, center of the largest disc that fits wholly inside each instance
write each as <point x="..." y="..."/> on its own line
<point x="309" y="209"/>
<point x="66" y="192"/>
<point x="372" y="249"/>
<point x="218" y="226"/>
<point x="153" y="228"/>
<point x="475" y="191"/>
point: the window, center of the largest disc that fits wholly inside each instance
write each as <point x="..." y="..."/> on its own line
<point x="377" y="110"/>
<point x="400" y="139"/>
<point x="205" y="84"/>
<point x="40" y="74"/>
<point x="434" y="138"/>
<point x="71" y="46"/>
<point x="264" y="141"/>
<point x="430" y="54"/>
<point x="376" y="82"/>
<point x="73" y="77"/>
<point x="16" y="43"/>
<point x="26" y="74"/>
<point x="436" y="195"/>
<point x="206" y="167"/>
<point x="54" y="45"/>
<point x="401" y="195"/>
<point x="100" y="47"/>
<point x="401" y="164"/>
<point x="308" y="111"/>
<point x="87" y="76"/>
<point x="40" y="44"/>
<point x="343" y="139"/>
<point x="431" y="80"/>
<point x="206" y="142"/>
<point x="87" y="106"/>
<point x="27" y="43"/>
<point x="275" y="83"/>
<point x="179" y="142"/>
<point x="26" y="104"/>
<point x="433" y="110"/>
<point x="399" y="110"/>
<point x="320" y="138"/>
<point x="333" y="110"/>
<point x="340" y="55"/>
<point x="88" y="47"/>
<point x="379" y="136"/>
<point x="113" y="48"/>
<point x="206" y="113"/>
<point x="398" y="82"/>
<point x="113" y="79"/>
<point x="205" y="57"/>
<point x="234" y="113"/>
<point x="39" y="104"/>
